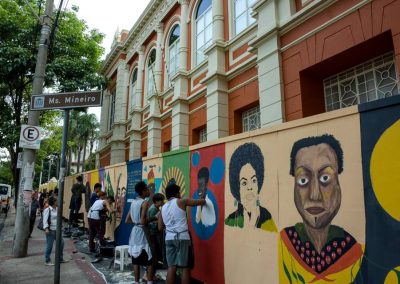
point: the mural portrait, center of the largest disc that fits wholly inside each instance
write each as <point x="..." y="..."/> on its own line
<point x="246" y="178"/>
<point x="120" y="174"/>
<point x="315" y="249"/>
<point x="152" y="175"/>
<point x="206" y="222"/>
<point x="109" y="186"/>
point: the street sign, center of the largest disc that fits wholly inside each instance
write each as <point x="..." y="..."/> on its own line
<point x="30" y="137"/>
<point x="66" y="100"/>
<point x="20" y="160"/>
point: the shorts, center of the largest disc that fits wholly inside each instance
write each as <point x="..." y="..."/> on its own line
<point x="142" y="259"/>
<point x="177" y="252"/>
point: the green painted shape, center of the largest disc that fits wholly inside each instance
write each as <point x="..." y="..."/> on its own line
<point x="179" y="159"/>
<point x="287" y="272"/>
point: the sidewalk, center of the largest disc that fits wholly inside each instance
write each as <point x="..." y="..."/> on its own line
<point x="31" y="269"/>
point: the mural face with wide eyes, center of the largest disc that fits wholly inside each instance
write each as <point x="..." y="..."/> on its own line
<point x="317" y="190"/>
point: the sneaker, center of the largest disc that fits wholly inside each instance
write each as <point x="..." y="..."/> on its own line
<point x="64" y="261"/>
<point x="49" y="263"/>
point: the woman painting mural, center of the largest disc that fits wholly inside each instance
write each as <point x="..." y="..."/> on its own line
<point x="246" y="177"/>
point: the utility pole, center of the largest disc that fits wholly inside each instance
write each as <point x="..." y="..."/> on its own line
<point x="61" y="198"/>
<point x="20" y="245"/>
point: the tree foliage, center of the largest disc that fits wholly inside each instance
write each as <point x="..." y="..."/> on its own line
<point x="73" y="64"/>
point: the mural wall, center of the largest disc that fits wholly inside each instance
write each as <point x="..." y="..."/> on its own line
<point x="207" y="170"/>
<point x="152" y="174"/>
<point x="176" y="169"/>
<point x="380" y="140"/>
<point x="310" y="201"/>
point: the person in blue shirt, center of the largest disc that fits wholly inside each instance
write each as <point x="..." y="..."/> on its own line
<point x="94" y="196"/>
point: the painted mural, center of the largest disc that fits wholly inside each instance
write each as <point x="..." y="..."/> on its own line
<point x="251" y="211"/>
<point x="133" y="173"/>
<point x="207" y="173"/>
<point x="152" y="175"/>
<point x="108" y="180"/>
<point x="298" y="203"/>
<point x="380" y="131"/>
<point x="119" y="185"/>
<point x="176" y="169"/>
<point x="315" y="249"/>
<point x="246" y="178"/>
<point x="322" y="224"/>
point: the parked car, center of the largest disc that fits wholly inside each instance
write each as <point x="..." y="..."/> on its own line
<point x="5" y="195"/>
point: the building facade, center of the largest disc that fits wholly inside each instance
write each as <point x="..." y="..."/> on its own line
<point x="191" y="71"/>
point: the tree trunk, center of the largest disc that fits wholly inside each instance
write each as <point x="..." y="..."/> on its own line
<point x="84" y="156"/>
<point x="79" y="159"/>
<point x="69" y="161"/>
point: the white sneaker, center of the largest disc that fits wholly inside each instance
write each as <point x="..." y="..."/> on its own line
<point x="49" y="263"/>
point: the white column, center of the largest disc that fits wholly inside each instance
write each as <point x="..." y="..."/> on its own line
<point x="121" y="100"/>
<point x="154" y="137"/>
<point x="154" y="98"/>
<point x="217" y="108"/>
<point x="135" y="144"/>
<point x="183" y="40"/>
<point x="104" y="117"/>
<point x="154" y="124"/>
<point x="217" y="86"/>
<point x="269" y="14"/>
<point x="159" y="59"/>
<point x="180" y="106"/>
<point x="139" y="82"/>
<point x="218" y="20"/>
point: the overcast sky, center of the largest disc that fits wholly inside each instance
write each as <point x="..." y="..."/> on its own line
<point x="107" y="17"/>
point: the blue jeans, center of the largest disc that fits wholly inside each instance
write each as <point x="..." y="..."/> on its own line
<point x="50" y="238"/>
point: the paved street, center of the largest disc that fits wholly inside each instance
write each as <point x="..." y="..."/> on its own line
<point x="31" y="269"/>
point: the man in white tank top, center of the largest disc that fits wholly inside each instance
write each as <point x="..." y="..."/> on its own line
<point x="139" y="246"/>
<point x="177" y="239"/>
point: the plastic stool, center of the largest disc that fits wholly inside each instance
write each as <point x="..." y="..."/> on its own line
<point x="121" y="256"/>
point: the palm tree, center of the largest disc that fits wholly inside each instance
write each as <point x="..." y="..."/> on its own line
<point x="84" y="131"/>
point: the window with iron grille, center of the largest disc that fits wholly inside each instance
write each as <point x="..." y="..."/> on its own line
<point x="203" y="135"/>
<point x="251" y="119"/>
<point x="372" y="80"/>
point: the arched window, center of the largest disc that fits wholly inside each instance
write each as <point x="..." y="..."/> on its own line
<point x="173" y="52"/>
<point x="133" y="87"/>
<point x="203" y="29"/>
<point x="151" y="62"/>
<point x="243" y="19"/>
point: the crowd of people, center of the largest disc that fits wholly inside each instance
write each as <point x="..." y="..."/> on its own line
<point x="160" y="234"/>
<point x="152" y="220"/>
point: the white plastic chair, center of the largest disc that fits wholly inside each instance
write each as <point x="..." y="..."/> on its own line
<point x="121" y="256"/>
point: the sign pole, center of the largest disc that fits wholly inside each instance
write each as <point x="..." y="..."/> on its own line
<point x="61" y="198"/>
<point x="24" y="189"/>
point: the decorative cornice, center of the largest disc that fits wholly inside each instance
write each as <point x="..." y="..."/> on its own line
<point x="142" y="29"/>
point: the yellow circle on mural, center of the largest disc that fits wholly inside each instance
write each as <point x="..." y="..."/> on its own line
<point x="392" y="277"/>
<point x="385" y="170"/>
